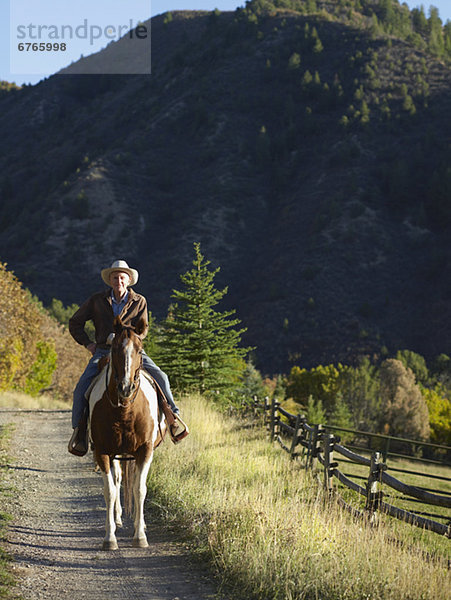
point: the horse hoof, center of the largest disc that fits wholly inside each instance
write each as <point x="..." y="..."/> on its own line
<point x="140" y="543"/>
<point x="119" y="523"/>
<point x="110" y="545"/>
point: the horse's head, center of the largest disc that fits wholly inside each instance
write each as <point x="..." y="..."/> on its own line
<point x="126" y="359"/>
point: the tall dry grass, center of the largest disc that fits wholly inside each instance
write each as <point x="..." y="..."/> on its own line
<point x="263" y="524"/>
<point x="13" y="399"/>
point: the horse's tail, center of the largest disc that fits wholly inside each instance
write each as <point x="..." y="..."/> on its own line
<point x="128" y="475"/>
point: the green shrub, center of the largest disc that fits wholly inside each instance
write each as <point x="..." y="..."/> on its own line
<point x="41" y="372"/>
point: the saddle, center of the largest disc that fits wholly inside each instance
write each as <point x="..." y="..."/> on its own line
<point x="178" y="429"/>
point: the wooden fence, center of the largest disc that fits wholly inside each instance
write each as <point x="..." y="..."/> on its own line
<point x="316" y="446"/>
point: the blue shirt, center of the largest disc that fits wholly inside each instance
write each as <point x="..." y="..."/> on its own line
<point x="118" y="306"/>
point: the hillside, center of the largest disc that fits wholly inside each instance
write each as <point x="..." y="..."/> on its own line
<point x="307" y="151"/>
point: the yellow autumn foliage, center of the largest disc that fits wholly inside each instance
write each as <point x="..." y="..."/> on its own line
<point x="36" y="352"/>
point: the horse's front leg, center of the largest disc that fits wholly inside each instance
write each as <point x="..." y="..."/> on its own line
<point x="117" y="478"/>
<point x="139" y="495"/>
<point x="110" y="493"/>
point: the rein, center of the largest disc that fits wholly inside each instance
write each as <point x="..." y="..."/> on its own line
<point x="136" y="385"/>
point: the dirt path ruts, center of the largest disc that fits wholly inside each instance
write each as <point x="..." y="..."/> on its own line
<point x="58" y="526"/>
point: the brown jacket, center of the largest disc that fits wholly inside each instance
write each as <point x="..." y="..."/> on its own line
<point x="98" y="308"/>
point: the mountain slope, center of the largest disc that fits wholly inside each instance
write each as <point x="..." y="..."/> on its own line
<point x="316" y="174"/>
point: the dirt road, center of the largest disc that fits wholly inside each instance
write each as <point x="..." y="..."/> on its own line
<point x="58" y="527"/>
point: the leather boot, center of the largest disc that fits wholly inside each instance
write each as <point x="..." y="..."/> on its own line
<point x="78" y="443"/>
<point x="178" y="429"/>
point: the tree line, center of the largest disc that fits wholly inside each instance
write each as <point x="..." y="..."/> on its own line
<point x="388" y="17"/>
<point x="398" y="396"/>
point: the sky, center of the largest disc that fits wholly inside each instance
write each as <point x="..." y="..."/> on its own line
<point x="104" y="19"/>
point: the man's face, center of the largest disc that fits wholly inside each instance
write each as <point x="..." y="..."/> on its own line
<point x="119" y="282"/>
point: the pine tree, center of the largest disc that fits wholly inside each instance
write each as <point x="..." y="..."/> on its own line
<point x="436" y="40"/>
<point x="251" y="384"/>
<point x="416" y="363"/>
<point x="341" y="416"/>
<point x="361" y="389"/>
<point x="199" y="345"/>
<point x="315" y="413"/>
<point x="151" y="341"/>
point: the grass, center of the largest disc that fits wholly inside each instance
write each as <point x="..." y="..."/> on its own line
<point x="13" y="399"/>
<point x="430" y="542"/>
<point x="264" y="526"/>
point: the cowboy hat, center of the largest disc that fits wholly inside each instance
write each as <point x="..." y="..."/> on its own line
<point x="120" y="265"/>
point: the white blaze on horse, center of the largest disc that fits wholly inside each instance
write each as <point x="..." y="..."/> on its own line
<point x="124" y="421"/>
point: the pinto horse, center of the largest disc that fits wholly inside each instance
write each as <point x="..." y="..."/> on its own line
<point x="124" y="421"/>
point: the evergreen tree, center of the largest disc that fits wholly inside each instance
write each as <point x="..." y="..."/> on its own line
<point x="151" y="341"/>
<point x="199" y="346"/>
<point x="361" y="389"/>
<point x="442" y="370"/>
<point x="251" y="384"/>
<point x="315" y="413"/>
<point x="436" y="40"/>
<point x="419" y="20"/>
<point x="60" y="312"/>
<point x="294" y="62"/>
<point x="341" y="416"/>
<point x="279" y="390"/>
<point x="416" y="363"/>
<point x="447" y="37"/>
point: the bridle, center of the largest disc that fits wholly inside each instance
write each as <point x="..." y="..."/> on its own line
<point x="135" y="385"/>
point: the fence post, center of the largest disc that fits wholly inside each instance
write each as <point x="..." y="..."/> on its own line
<point x="267" y="413"/>
<point x="315" y="445"/>
<point x="294" y="441"/>
<point x="309" y="448"/>
<point x="274" y="419"/>
<point x="373" y="495"/>
<point x="303" y="437"/>
<point x="329" y="464"/>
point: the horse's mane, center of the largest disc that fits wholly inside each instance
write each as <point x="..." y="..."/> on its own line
<point x="120" y="327"/>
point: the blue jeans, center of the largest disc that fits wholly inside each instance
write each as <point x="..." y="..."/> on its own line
<point x="80" y="403"/>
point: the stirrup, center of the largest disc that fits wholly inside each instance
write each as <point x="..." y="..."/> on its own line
<point x="77" y="446"/>
<point x="174" y="428"/>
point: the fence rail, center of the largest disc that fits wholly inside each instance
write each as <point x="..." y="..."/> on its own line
<point x="387" y="441"/>
<point x="316" y="445"/>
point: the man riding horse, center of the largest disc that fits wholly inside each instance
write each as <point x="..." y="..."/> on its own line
<point x="102" y="308"/>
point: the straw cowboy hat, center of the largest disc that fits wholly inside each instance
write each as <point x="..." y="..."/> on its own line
<point x="120" y="265"/>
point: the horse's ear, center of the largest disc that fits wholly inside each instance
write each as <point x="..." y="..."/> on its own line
<point x="141" y="326"/>
<point x="118" y="326"/>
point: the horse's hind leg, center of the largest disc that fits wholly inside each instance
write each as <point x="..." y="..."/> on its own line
<point x="117" y="478"/>
<point x="139" y="495"/>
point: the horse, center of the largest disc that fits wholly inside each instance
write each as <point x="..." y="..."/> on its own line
<point x="124" y="422"/>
